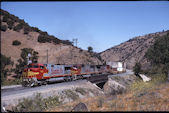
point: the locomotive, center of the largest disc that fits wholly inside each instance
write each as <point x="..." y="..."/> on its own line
<point x="38" y="74"/>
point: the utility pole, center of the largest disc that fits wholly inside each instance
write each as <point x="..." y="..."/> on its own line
<point x="75" y="41"/>
<point x="75" y="44"/>
<point x="47" y="56"/>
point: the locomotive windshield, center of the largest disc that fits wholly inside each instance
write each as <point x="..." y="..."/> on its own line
<point x="33" y="66"/>
<point x="29" y="66"/>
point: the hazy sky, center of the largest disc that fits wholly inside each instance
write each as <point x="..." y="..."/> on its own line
<point x="100" y="24"/>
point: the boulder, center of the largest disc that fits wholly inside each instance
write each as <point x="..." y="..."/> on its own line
<point x="112" y="87"/>
<point x="145" y="78"/>
<point x="80" y="107"/>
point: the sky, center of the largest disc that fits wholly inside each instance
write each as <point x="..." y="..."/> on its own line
<point x="99" y="24"/>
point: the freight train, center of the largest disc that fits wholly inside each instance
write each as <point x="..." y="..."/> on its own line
<point x="37" y="74"/>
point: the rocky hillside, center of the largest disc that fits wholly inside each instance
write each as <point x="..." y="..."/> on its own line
<point x="132" y="50"/>
<point x="59" y="51"/>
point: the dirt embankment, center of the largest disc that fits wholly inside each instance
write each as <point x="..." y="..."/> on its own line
<point x="71" y="91"/>
<point x="140" y="96"/>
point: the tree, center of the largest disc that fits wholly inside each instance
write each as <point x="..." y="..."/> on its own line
<point x="90" y="49"/>
<point x="23" y="60"/>
<point x="4" y="62"/>
<point x="158" y="53"/>
<point x="137" y="68"/>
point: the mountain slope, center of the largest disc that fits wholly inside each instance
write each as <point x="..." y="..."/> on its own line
<point x="59" y="51"/>
<point x="132" y="51"/>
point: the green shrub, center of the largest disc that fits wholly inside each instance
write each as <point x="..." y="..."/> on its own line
<point x="37" y="103"/>
<point x="16" y="43"/>
<point x="44" y="33"/>
<point x="158" y="54"/>
<point x="10" y="24"/>
<point x="3" y="28"/>
<point x="11" y="82"/>
<point x="5" y="19"/>
<point x="140" y="85"/>
<point x="23" y="60"/>
<point x="90" y="49"/>
<point x="44" y="39"/>
<point x="4" y="62"/>
<point x="70" y="94"/>
<point x="35" y="29"/>
<point x="67" y="42"/>
<point x="26" y="30"/>
<point x="18" y="27"/>
<point x="137" y="68"/>
<point x="55" y="40"/>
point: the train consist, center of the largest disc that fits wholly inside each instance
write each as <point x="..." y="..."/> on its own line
<point x="38" y="74"/>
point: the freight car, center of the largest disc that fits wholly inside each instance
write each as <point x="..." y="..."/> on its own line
<point x="38" y="74"/>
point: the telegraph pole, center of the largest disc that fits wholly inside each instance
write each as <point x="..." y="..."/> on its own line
<point x="75" y="41"/>
<point x="75" y="44"/>
<point x="47" y="56"/>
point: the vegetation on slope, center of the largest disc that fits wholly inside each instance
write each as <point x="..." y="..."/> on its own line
<point x="5" y="62"/>
<point x="141" y="96"/>
<point x="158" y="54"/>
<point x="16" y="24"/>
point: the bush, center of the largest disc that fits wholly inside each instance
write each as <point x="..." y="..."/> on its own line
<point x="4" y="62"/>
<point x="55" y="40"/>
<point x="43" y="39"/>
<point x="70" y="94"/>
<point x="10" y="24"/>
<point x="3" y="28"/>
<point x="37" y="104"/>
<point x="23" y="60"/>
<point x="16" y="43"/>
<point x="44" y="33"/>
<point x="26" y="30"/>
<point x="18" y="27"/>
<point x="158" y="53"/>
<point x="67" y="42"/>
<point x="90" y="49"/>
<point x="5" y="18"/>
<point x="137" y="68"/>
<point x="35" y="29"/>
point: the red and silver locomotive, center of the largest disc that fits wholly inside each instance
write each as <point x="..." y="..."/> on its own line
<point x="38" y="74"/>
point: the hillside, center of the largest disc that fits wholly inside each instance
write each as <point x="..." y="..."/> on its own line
<point x="132" y="50"/>
<point x="59" y="51"/>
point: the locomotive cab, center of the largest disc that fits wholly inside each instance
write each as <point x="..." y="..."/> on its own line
<point x="33" y="72"/>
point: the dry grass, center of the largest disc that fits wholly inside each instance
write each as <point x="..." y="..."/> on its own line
<point x="150" y="96"/>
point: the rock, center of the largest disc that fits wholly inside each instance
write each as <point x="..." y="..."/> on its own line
<point x="141" y="94"/>
<point x="156" y="95"/>
<point x="80" y="107"/>
<point x="112" y="87"/>
<point x="145" y="78"/>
